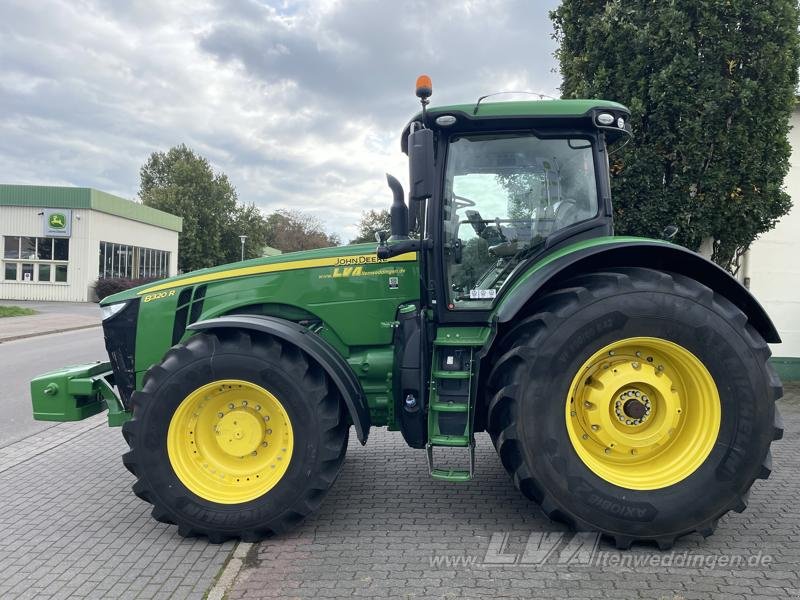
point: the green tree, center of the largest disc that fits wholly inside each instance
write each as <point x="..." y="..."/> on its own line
<point x="711" y="85"/>
<point x="247" y="220"/>
<point x="183" y="183"/>
<point x="293" y="230"/>
<point x="371" y="222"/>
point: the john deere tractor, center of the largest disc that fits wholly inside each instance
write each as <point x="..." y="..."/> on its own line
<point x="623" y="381"/>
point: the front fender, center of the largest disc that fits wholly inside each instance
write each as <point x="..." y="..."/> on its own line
<point x="318" y="349"/>
<point x="603" y="253"/>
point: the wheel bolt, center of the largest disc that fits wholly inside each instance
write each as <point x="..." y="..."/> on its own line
<point x="585" y="436"/>
<point x="635" y="365"/>
<point x="607" y="450"/>
<point x="258" y="407"/>
<point x="230" y="406"/>
<point x="269" y="431"/>
<point x="587" y="404"/>
<point x="264" y="444"/>
<point x="572" y="413"/>
<point x="595" y="427"/>
<point x="220" y="415"/>
<point x="255" y="453"/>
<point x="244" y="402"/>
<point x="633" y="451"/>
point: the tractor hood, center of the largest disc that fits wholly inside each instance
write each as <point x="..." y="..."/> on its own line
<point x="322" y="257"/>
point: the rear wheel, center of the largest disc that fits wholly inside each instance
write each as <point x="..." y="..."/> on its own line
<point x="235" y="436"/>
<point x="636" y="403"/>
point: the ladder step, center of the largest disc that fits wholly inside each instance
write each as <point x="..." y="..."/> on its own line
<point x="454" y="407"/>
<point x="452" y="374"/>
<point x="451" y="474"/>
<point x="449" y="440"/>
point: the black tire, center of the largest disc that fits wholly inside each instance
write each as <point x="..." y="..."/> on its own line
<point x="320" y="429"/>
<point x="537" y="360"/>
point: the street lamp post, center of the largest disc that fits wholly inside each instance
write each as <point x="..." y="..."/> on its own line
<point x="243" y="238"/>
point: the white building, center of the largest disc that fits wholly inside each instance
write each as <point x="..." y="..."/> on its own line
<point x="56" y="242"/>
<point x="772" y="270"/>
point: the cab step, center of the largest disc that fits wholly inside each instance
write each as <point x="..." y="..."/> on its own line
<point x="451" y="396"/>
<point x="452" y="474"/>
<point x="460" y="407"/>
<point x="452" y="374"/>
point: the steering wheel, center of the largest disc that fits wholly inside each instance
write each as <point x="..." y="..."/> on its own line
<point x="461" y="202"/>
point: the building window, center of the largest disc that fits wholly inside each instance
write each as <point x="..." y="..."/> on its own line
<point x="35" y="259"/>
<point x="132" y="262"/>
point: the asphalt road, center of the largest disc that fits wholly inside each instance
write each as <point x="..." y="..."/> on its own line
<point x="21" y="360"/>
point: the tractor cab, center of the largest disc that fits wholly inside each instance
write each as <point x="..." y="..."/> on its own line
<point x="494" y="185"/>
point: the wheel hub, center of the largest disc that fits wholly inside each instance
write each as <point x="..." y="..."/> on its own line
<point x="240" y="432"/>
<point x="632" y="407"/>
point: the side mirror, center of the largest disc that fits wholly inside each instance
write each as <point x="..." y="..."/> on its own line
<point x="420" y="171"/>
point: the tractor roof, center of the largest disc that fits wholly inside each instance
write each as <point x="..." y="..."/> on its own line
<point x="504" y="113"/>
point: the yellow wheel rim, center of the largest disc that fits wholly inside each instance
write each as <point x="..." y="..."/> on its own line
<point x="643" y="413"/>
<point x="230" y="441"/>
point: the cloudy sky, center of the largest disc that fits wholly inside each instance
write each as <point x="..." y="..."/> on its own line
<point x="301" y="103"/>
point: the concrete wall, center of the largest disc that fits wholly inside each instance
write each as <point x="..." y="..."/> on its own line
<point x="773" y="263"/>
<point x="89" y="228"/>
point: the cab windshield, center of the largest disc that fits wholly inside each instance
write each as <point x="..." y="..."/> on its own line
<point x="503" y="196"/>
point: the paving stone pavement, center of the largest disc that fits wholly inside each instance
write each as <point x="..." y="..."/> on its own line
<point x="385" y="525"/>
<point x="70" y="526"/>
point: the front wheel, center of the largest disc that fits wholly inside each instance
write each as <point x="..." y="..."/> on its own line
<point x="636" y="403"/>
<point x="235" y="436"/>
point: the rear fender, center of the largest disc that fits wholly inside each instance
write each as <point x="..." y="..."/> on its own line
<point x="633" y="252"/>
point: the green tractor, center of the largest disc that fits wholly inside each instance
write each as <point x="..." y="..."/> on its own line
<point x="624" y="381"/>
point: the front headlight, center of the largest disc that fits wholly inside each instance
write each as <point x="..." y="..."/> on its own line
<point x="112" y="309"/>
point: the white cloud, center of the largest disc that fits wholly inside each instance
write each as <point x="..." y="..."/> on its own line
<point x="300" y="103"/>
